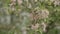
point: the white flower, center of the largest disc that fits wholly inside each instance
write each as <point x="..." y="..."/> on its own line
<point x="19" y="2"/>
<point x="13" y="9"/>
<point x="56" y="2"/>
<point x="44" y="25"/>
<point x="36" y="0"/>
<point x="52" y="0"/>
<point x="35" y="27"/>
<point x="29" y="6"/>
<point x="13" y="3"/>
<point x="25" y="14"/>
<point x="43" y="13"/>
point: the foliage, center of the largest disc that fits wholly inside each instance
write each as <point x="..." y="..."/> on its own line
<point x="29" y="16"/>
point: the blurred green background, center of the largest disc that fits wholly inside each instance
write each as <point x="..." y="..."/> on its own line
<point x="29" y="16"/>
